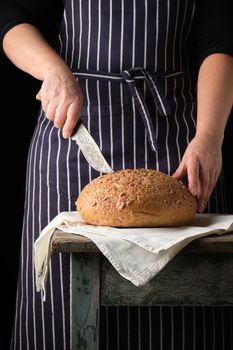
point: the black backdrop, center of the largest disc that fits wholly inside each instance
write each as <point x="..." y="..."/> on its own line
<point x="18" y="118"/>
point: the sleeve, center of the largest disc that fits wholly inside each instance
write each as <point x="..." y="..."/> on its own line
<point x="214" y="28"/>
<point x="46" y="15"/>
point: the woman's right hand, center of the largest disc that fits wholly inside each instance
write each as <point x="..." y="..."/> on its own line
<point x="60" y="93"/>
<point x="61" y="99"/>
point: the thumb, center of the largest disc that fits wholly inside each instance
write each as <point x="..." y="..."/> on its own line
<point x="180" y="172"/>
<point x="38" y="96"/>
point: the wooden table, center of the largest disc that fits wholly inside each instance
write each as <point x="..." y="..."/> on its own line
<point x="201" y="274"/>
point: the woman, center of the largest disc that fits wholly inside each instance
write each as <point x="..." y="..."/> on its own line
<point x="159" y="52"/>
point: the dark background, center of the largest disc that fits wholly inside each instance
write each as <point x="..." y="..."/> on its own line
<point x="18" y="118"/>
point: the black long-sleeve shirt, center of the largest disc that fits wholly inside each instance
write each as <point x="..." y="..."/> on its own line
<point x="213" y="34"/>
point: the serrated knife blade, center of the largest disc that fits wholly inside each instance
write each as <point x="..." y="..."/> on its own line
<point x="90" y="149"/>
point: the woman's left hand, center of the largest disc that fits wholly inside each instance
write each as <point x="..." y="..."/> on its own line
<point x="201" y="162"/>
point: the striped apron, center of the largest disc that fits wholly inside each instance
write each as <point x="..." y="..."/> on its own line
<point x="134" y="64"/>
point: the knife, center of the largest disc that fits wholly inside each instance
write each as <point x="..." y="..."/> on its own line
<point x="89" y="148"/>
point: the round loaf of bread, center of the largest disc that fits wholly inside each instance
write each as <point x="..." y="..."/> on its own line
<point x="136" y="198"/>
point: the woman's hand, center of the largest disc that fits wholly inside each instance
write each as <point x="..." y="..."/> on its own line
<point x="60" y="93"/>
<point x="61" y="99"/>
<point x="202" y="159"/>
<point x="201" y="163"/>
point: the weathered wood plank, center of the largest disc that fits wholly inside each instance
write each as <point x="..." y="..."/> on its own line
<point x="189" y="279"/>
<point x="72" y="243"/>
<point x="66" y="242"/>
<point x="85" y="301"/>
<point x="213" y="243"/>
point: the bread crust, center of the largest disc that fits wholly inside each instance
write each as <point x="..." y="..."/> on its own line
<point x="136" y="198"/>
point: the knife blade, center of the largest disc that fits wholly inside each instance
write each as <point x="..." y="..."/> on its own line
<point x="89" y="148"/>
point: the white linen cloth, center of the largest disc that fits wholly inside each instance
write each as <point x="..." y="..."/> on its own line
<point x="138" y="254"/>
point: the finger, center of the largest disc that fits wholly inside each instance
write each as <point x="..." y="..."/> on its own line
<point x="60" y="115"/>
<point x="73" y="114"/>
<point x="193" y="177"/>
<point x="44" y="102"/>
<point x="38" y="96"/>
<point x="212" y="182"/>
<point x="51" y="110"/>
<point x="180" y="171"/>
<point x="205" y="187"/>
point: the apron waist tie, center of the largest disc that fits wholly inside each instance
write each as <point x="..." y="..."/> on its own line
<point x="131" y="77"/>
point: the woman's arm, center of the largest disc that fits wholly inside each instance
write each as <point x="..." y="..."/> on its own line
<point x="202" y="159"/>
<point x="60" y="93"/>
<point x="45" y="15"/>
